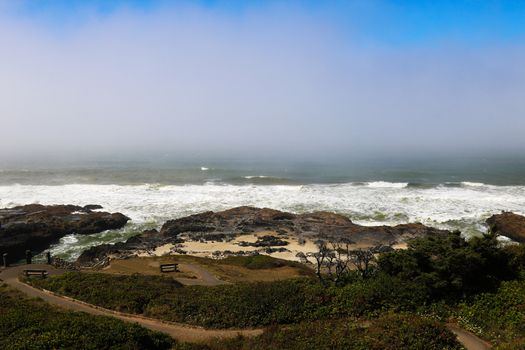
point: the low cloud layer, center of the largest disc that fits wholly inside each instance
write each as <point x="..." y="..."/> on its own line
<point x="270" y="81"/>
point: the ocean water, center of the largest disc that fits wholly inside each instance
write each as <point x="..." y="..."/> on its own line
<point x="441" y="193"/>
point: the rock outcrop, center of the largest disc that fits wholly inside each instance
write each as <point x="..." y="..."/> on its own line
<point x="509" y="225"/>
<point x="234" y="222"/>
<point x="36" y="227"/>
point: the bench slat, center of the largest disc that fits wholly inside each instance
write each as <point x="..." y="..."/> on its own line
<point x="169" y="267"/>
<point x="35" y="272"/>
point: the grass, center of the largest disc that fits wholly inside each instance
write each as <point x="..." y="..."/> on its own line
<point x="231" y="269"/>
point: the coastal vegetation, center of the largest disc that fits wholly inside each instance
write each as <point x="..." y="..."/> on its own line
<point x="388" y="332"/>
<point x="33" y="324"/>
<point x="257" y="262"/>
<point x="475" y="281"/>
<point x="231" y="305"/>
<point x="498" y="316"/>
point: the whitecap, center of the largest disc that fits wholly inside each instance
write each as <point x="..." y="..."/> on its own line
<point x="384" y="184"/>
<point x="446" y="207"/>
<point x="472" y="184"/>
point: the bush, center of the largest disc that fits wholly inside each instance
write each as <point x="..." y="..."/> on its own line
<point x="256" y="262"/>
<point x="223" y="306"/>
<point x="130" y="293"/>
<point x="498" y="316"/>
<point x="32" y="324"/>
<point x="516" y="253"/>
<point x="390" y="332"/>
<point x="451" y="268"/>
<point x="381" y="293"/>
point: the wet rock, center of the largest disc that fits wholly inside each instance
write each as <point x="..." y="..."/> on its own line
<point x="36" y="227"/>
<point x="242" y="220"/>
<point x="509" y="225"/>
<point x="90" y="207"/>
<point x="264" y="241"/>
<point x="271" y="250"/>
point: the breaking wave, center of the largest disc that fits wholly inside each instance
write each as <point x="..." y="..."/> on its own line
<point x="462" y="206"/>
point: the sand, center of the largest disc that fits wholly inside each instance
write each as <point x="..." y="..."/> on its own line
<point x="206" y="249"/>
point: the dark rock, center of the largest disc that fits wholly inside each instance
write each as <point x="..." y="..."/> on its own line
<point x="509" y="225"/>
<point x="275" y="250"/>
<point x="382" y="249"/>
<point x="35" y="227"/>
<point x="100" y="252"/>
<point x="193" y="223"/>
<point x="90" y="207"/>
<point x="238" y="221"/>
<point x="215" y="237"/>
<point x="265" y="241"/>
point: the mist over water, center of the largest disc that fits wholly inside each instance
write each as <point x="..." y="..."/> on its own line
<point x="178" y="107"/>
<point x="451" y="194"/>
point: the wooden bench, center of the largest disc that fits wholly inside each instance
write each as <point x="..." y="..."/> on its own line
<point x="41" y="273"/>
<point x="169" y="268"/>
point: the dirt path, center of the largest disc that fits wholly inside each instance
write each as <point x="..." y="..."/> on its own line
<point x="469" y="340"/>
<point x="204" y="277"/>
<point x="177" y="331"/>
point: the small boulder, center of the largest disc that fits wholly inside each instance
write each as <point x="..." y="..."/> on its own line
<point x="509" y="225"/>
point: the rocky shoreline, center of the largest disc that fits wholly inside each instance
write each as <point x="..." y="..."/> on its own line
<point x="249" y="230"/>
<point x="228" y="225"/>
<point x="36" y="227"/>
<point x="509" y="225"/>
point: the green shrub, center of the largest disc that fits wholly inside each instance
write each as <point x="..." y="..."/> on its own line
<point x="451" y="268"/>
<point x="390" y="332"/>
<point x="230" y="305"/>
<point x="126" y="293"/>
<point x="376" y="295"/>
<point x="32" y="324"/>
<point x="257" y="262"/>
<point x="498" y="316"/>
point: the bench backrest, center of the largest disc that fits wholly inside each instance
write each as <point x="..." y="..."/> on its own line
<point x="35" y="272"/>
<point x="168" y="267"/>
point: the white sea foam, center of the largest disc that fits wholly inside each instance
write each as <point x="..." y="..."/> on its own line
<point x="204" y="168"/>
<point x="256" y="177"/>
<point x="461" y="207"/>
<point x="473" y="184"/>
<point x="384" y="184"/>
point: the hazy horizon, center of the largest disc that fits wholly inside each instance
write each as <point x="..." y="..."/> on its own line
<point x="261" y="80"/>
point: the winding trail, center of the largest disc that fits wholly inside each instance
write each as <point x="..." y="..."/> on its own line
<point x="467" y="339"/>
<point x="178" y="331"/>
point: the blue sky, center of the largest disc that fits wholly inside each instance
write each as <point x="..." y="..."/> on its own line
<point x="387" y="22"/>
<point x="266" y="77"/>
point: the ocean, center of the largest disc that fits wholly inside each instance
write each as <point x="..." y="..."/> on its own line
<point x="456" y="194"/>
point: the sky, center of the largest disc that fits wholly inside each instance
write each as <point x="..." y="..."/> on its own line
<point x="305" y="79"/>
